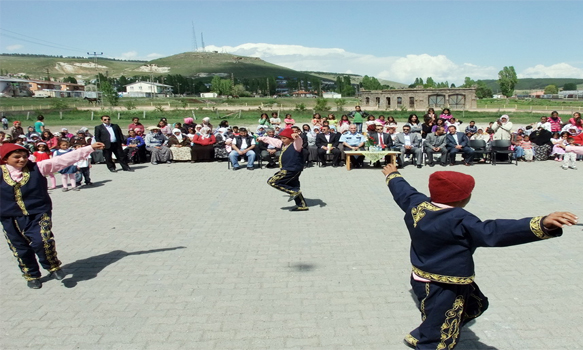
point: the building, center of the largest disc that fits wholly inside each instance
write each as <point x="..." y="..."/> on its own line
<point x="147" y="89"/>
<point x="14" y="87"/>
<point x="419" y="98"/>
<point x="331" y="95"/>
<point x="209" y="94"/>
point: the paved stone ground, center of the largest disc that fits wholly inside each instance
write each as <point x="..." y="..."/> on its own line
<point x="192" y="256"/>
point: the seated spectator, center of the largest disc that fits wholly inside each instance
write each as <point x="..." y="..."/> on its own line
<point x="157" y="145"/>
<point x="502" y="128"/>
<point x="577" y="121"/>
<point x="454" y="122"/>
<point x="414" y="123"/>
<point x="207" y="122"/>
<point x="343" y="124"/>
<point x="438" y="122"/>
<point x="409" y="143"/>
<point x="66" y="134"/>
<point x="203" y="146"/>
<point x="242" y="145"/>
<point x="526" y="146"/>
<point x="354" y="141"/>
<point x="544" y="123"/>
<point x="190" y="133"/>
<point x="222" y="141"/>
<point x="312" y="149"/>
<point x="30" y="131"/>
<point x="542" y="143"/>
<point x="188" y="123"/>
<point x="481" y="135"/>
<point x="274" y="120"/>
<point x="179" y="146"/>
<point x="136" y="125"/>
<point x="135" y="150"/>
<point x="559" y="144"/>
<point x="327" y="143"/>
<point x="260" y="131"/>
<point x="382" y="140"/>
<point x="426" y="126"/>
<point x="471" y="129"/>
<point x="458" y="142"/>
<point x="436" y="143"/>
<point x="269" y="153"/>
<point x="303" y="135"/>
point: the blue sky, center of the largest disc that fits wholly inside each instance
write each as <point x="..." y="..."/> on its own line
<point x="394" y="40"/>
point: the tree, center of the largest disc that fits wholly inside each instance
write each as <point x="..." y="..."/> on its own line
<point x="430" y="83"/>
<point x="507" y="80"/>
<point x="570" y="86"/>
<point x="468" y="83"/>
<point x="70" y="79"/>
<point x="340" y="102"/>
<point x="483" y="91"/>
<point x="551" y="89"/>
<point x="370" y="83"/>
<point x="216" y="84"/>
<point x="321" y="105"/>
<point x="109" y="93"/>
<point x="347" y="88"/>
<point x="339" y="84"/>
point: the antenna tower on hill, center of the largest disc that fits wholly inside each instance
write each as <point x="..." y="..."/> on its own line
<point x="194" y="44"/>
<point x="202" y="42"/>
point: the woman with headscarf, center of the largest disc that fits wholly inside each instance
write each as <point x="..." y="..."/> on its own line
<point x="207" y="122"/>
<point x="156" y="144"/>
<point x="220" y="145"/>
<point x="188" y="123"/>
<point x="312" y="149"/>
<point x="179" y="145"/>
<point x="542" y="143"/>
<point x="203" y="146"/>
<point x="502" y="128"/>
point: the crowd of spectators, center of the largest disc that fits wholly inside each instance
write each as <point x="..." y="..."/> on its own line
<point x="325" y="139"/>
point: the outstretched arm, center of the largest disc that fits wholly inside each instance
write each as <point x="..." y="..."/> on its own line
<point x="404" y="194"/>
<point x="54" y="164"/>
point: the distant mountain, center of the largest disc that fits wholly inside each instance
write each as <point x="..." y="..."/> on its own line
<point x="354" y="78"/>
<point x="191" y="64"/>
<point x="534" y="83"/>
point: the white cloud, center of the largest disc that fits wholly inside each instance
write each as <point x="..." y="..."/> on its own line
<point x="131" y="55"/>
<point x="395" y="68"/>
<point x="559" y="70"/>
<point x="134" y="55"/>
<point x="14" y="47"/>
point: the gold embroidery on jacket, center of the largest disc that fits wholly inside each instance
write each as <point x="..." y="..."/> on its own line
<point x="17" y="185"/>
<point x="418" y="212"/>
<point x="392" y="176"/>
<point x="535" y="227"/>
<point x="411" y="340"/>
<point x="443" y="278"/>
<point x="450" y="329"/>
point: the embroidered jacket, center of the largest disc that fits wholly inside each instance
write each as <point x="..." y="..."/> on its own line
<point x="443" y="240"/>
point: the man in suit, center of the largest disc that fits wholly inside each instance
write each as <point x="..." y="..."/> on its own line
<point x="435" y="143"/>
<point x="383" y="140"/>
<point x="409" y="143"/>
<point x="327" y="142"/>
<point x="458" y="142"/>
<point x="111" y="136"/>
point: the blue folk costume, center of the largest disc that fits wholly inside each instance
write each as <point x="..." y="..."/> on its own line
<point x="287" y="179"/>
<point x="443" y="240"/>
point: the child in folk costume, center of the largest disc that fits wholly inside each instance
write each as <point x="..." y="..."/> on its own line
<point x="291" y="163"/>
<point x="26" y="208"/>
<point x="44" y="154"/>
<point x="443" y="239"/>
<point x="67" y="173"/>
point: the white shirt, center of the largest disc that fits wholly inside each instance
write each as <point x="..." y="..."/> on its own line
<point x="407" y="138"/>
<point x="112" y="137"/>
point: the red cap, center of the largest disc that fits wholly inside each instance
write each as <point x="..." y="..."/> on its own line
<point x="8" y="148"/>
<point x="286" y="133"/>
<point x="450" y="186"/>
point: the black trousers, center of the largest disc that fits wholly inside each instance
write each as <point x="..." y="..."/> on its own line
<point x="115" y="148"/>
<point x="445" y="309"/>
<point x="30" y="235"/>
<point x="288" y="182"/>
<point x="82" y="173"/>
<point x="336" y="153"/>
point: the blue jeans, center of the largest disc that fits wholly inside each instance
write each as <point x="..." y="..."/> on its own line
<point x="518" y="152"/>
<point x="234" y="158"/>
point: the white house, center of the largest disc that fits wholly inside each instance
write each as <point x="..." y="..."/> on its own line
<point x="208" y="94"/>
<point x="331" y="95"/>
<point x="147" y="89"/>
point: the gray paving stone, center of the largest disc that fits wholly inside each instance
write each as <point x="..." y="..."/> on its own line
<point x="192" y="256"/>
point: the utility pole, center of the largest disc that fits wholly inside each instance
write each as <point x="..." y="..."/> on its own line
<point x="95" y="54"/>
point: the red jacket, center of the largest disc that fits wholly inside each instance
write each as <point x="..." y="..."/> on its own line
<point x="199" y="140"/>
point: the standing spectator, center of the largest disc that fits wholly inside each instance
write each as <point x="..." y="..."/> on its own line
<point x="358" y="116"/>
<point x="502" y="128"/>
<point x="413" y="122"/>
<point x="555" y="120"/>
<point x="426" y="126"/>
<point x="446" y="114"/>
<point x="289" y="121"/>
<point x="16" y="129"/>
<point x="264" y="120"/>
<point x="136" y="125"/>
<point x="43" y="153"/>
<point x="243" y="145"/>
<point x="83" y="166"/>
<point x="51" y="140"/>
<point x="39" y="126"/>
<point x="343" y="124"/>
<point x="274" y="120"/>
<point x="156" y="144"/>
<point x="67" y="173"/>
<point x="4" y="123"/>
<point x="471" y="129"/>
<point x="111" y="136"/>
<point x="431" y="114"/>
<point x="66" y="134"/>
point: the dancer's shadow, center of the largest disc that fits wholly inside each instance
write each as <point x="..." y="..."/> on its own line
<point x="310" y="203"/>
<point x="86" y="269"/>
<point x="468" y="339"/>
<point x="95" y="184"/>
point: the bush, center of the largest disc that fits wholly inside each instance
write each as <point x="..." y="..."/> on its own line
<point x="59" y="103"/>
<point x="300" y="107"/>
<point x="321" y="105"/>
<point x="129" y="105"/>
<point x="159" y="108"/>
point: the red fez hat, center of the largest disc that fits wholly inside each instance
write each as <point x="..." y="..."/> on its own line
<point x="286" y="133"/>
<point x="8" y="148"/>
<point x="450" y="186"/>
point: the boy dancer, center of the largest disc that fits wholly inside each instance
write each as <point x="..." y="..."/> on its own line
<point x="443" y="239"/>
<point x="26" y="208"/>
<point x="291" y="163"/>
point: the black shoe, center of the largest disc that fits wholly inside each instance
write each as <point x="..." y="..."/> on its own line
<point x="443" y="164"/>
<point x="419" y="166"/>
<point x="300" y="209"/>
<point x="34" y="284"/>
<point x="59" y="274"/>
<point x="323" y="165"/>
<point x="431" y="165"/>
<point x="236" y="168"/>
<point x="250" y="168"/>
<point x="89" y="184"/>
<point x="113" y="170"/>
<point x="130" y="170"/>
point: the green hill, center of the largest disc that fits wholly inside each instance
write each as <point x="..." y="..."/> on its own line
<point x="354" y="78"/>
<point x="534" y="83"/>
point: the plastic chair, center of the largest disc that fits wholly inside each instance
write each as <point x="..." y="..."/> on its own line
<point x="479" y="147"/>
<point x="501" y="147"/>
